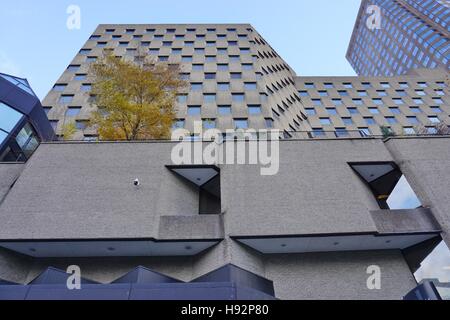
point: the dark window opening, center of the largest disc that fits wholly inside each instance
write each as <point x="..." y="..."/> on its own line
<point x="388" y="184"/>
<point x="207" y="180"/>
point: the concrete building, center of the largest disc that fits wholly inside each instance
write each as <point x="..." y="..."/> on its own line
<point x="417" y="103"/>
<point x="400" y="36"/>
<point x="139" y="226"/>
<point x="236" y="77"/>
<point x="296" y="235"/>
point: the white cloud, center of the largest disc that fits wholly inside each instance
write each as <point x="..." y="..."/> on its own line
<point x="7" y="65"/>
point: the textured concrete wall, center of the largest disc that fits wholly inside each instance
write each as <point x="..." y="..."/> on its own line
<point x="338" y="275"/>
<point x="314" y="192"/>
<point x="86" y="191"/>
<point x="426" y="164"/>
<point x="9" y="172"/>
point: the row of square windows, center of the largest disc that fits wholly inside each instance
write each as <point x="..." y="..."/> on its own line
<point x="369" y="85"/>
<point x="371" y="121"/>
<point x="378" y="101"/>
<point x="365" y="132"/>
<point x="170" y="30"/>
<point x="253" y="109"/>
<point x="394" y="110"/>
<point x="159" y="37"/>
<point x="182" y="98"/>
<point x="363" y="93"/>
<point x="103" y="44"/>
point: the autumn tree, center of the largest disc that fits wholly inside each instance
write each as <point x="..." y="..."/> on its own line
<point x="135" y="99"/>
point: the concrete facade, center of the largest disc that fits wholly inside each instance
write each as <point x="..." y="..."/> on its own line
<point x="53" y="215"/>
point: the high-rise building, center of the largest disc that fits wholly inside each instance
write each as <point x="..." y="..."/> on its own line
<point x="340" y="209"/>
<point x="392" y="37"/>
<point x="236" y="78"/>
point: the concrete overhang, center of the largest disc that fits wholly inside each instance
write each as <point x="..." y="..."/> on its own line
<point x="333" y="242"/>
<point x="108" y="247"/>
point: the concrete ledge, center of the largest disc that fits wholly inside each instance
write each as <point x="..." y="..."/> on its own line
<point x="405" y="221"/>
<point x="191" y="227"/>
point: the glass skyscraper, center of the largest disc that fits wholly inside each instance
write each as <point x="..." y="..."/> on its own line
<point x="407" y="34"/>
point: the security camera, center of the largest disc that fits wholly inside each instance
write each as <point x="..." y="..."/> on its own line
<point x="136" y="183"/>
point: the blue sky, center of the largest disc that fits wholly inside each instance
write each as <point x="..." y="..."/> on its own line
<point x="311" y="35"/>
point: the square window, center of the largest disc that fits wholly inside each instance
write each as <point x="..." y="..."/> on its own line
<point x="80" y="77"/>
<point x="418" y="100"/>
<point x="348" y="85"/>
<point x="223" y="86"/>
<point x="59" y="87"/>
<point x="420" y="92"/>
<point x="209" y="98"/>
<point x="176" y="51"/>
<point x="163" y="58"/>
<point x="210" y="76"/>
<point x="357" y="102"/>
<point x="436" y="109"/>
<point x="362" y="93"/>
<point x="328" y="85"/>
<point x="222" y="50"/>
<point x="331" y="111"/>
<point x="317" y="102"/>
<point x="86" y="87"/>
<point x="395" y="110"/>
<point x="318" y="133"/>
<point x="65" y="99"/>
<point x="369" y="120"/>
<point x="197" y="67"/>
<point x="222" y="67"/>
<point x="352" y="110"/>
<point x="347" y="121"/>
<point x="415" y="109"/>
<point x="186" y="59"/>
<point x="343" y="93"/>
<point x="153" y="50"/>
<point x="374" y="110"/>
<point x="196" y="86"/>
<point x="377" y="101"/>
<point x="382" y="93"/>
<point x="236" y="75"/>
<point x="397" y="100"/>
<point x="323" y="93"/>
<point x="85" y="51"/>
<point x="310" y="111"/>
<point x="325" y="121"/>
<point x="337" y="102"/>
<point x="438" y="100"/>
<point x="240" y="123"/>
<point x="123" y="44"/>
<point x="235" y="58"/>
<point x="210" y="59"/>
<point x="224" y="110"/>
<point x="209" y="123"/>
<point x="413" y="120"/>
<point x="194" y="110"/>
<point x="269" y="123"/>
<point x="341" y="132"/>
<point x="182" y="98"/>
<point x="250" y="86"/>
<point x="199" y="50"/>
<point x="73" y="111"/>
<point x="247" y="66"/>
<point x="73" y="67"/>
<point x="81" y="124"/>
<point x="309" y="85"/>
<point x="434" y="119"/>
<point x="145" y="43"/>
<point x="303" y="93"/>
<point x="409" y="130"/>
<point x="238" y="97"/>
<point x="254" y="109"/>
<point x="189" y="43"/>
<point x="391" y="120"/>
